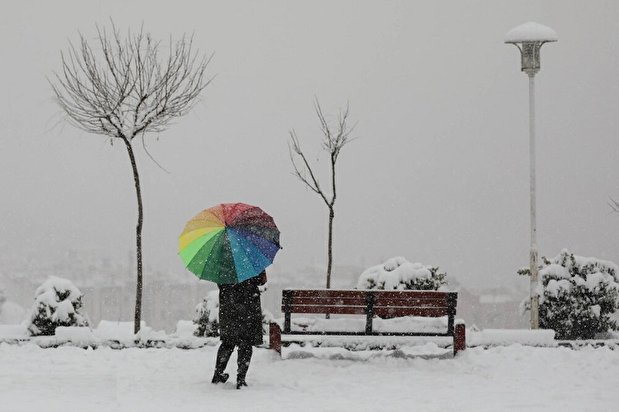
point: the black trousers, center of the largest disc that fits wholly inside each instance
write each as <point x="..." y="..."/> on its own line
<point x="244" y="353"/>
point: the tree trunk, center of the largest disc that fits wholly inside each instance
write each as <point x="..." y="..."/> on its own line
<point x="138" y="239"/>
<point x="330" y="247"/>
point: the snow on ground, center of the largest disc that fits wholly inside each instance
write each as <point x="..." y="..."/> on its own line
<point x="515" y="378"/>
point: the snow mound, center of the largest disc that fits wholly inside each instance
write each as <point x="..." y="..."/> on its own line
<point x="120" y="331"/>
<point x="77" y="335"/>
<point x="13" y="332"/>
<point x="503" y="337"/>
<point x="406" y="351"/>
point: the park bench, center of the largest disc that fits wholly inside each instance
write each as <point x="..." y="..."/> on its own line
<point x="370" y="303"/>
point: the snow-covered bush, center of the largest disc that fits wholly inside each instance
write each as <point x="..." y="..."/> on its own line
<point x="56" y="303"/>
<point x="207" y="316"/>
<point x="399" y="274"/>
<point x="577" y="295"/>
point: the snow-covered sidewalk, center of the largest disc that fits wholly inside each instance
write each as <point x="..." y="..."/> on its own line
<point x="515" y="378"/>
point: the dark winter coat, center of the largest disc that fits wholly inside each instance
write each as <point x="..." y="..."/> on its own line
<point x="240" y="312"/>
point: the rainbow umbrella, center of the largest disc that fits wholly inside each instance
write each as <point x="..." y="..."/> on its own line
<point x="229" y="243"/>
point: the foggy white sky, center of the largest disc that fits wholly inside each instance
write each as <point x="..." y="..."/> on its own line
<point x="439" y="173"/>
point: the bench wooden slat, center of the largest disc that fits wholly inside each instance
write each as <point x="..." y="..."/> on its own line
<point x="336" y="310"/>
<point x="383" y="312"/>
<point x="394" y="294"/>
<point x="327" y="293"/>
<point x="356" y="301"/>
<point x="406" y="294"/>
<point x="394" y="312"/>
<point x="335" y="301"/>
<point x="385" y="301"/>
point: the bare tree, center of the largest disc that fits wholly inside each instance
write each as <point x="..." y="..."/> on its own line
<point x="122" y="87"/>
<point x="334" y="138"/>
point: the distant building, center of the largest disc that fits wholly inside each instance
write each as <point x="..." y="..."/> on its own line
<point x="109" y="291"/>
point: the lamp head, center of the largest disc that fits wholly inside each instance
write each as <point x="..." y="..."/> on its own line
<point x="529" y="38"/>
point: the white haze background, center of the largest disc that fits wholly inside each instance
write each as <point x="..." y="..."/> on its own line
<point x="439" y="172"/>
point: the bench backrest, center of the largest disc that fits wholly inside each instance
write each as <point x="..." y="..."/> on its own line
<point x="343" y="302"/>
<point x="381" y="303"/>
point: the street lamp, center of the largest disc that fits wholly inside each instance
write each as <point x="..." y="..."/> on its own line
<point x="529" y="38"/>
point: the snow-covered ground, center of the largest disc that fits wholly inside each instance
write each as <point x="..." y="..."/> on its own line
<point x="515" y="377"/>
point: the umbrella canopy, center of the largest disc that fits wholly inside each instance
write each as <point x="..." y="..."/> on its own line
<point x="229" y="243"/>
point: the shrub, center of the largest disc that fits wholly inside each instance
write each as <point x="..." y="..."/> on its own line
<point x="207" y="316"/>
<point x="399" y="274"/>
<point x="577" y="295"/>
<point x="56" y="303"/>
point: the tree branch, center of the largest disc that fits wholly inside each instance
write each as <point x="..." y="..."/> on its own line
<point x="124" y="87"/>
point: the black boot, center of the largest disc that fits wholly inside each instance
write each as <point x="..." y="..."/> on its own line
<point x="240" y="382"/>
<point x="220" y="377"/>
<point x="223" y="354"/>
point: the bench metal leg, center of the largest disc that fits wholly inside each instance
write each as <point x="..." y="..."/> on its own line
<point x="459" y="338"/>
<point x="275" y="338"/>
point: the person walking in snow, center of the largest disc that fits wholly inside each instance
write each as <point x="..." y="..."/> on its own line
<point x="240" y="325"/>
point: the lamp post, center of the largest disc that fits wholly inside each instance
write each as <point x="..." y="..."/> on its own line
<point x="529" y="38"/>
